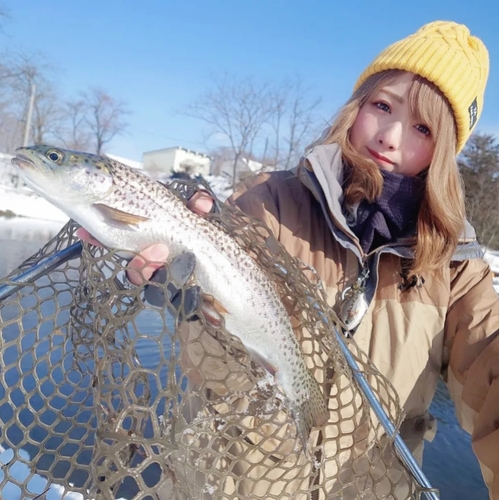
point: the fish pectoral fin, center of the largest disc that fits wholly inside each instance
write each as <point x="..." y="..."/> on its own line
<point x="111" y="215"/>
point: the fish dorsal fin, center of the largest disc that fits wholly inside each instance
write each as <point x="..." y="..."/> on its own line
<point x="111" y="214"/>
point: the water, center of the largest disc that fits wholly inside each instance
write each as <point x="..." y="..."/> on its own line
<point x="449" y="461"/>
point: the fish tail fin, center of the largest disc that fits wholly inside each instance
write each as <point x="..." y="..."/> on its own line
<point x="312" y="413"/>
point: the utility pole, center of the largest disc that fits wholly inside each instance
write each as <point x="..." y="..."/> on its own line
<point x="27" y="127"/>
<point x="264" y="159"/>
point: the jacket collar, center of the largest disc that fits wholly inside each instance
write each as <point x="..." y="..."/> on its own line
<point x="321" y="171"/>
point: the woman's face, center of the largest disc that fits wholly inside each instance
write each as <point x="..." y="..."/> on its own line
<point x="387" y="133"/>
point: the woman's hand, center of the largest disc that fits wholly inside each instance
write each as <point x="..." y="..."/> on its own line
<point x="143" y="266"/>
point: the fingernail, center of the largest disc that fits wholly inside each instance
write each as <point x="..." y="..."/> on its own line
<point x="158" y="252"/>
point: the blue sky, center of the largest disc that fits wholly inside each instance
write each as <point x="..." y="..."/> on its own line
<point x="159" y="55"/>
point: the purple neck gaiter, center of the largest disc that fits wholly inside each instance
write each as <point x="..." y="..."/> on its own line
<point x="393" y="215"/>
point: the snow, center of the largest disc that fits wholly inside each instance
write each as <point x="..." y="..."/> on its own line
<point x="221" y="187"/>
<point x="492" y="258"/>
<point x="25" y="203"/>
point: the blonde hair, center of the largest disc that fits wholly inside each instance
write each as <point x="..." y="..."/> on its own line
<point x="442" y="212"/>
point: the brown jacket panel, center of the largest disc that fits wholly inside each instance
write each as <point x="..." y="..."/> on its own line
<point x="448" y="325"/>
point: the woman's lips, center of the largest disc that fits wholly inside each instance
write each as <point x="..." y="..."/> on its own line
<point x="377" y="156"/>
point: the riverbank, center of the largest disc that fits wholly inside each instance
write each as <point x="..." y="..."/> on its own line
<point x="24" y="203"/>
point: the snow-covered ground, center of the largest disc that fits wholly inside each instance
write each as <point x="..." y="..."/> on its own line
<point x="25" y="203"/>
<point x="492" y="258"/>
<point x="221" y="187"/>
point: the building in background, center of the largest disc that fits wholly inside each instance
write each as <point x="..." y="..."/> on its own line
<point x="163" y="163"/>
<point x="244" y="168"/>
<point x="125" y="161"/>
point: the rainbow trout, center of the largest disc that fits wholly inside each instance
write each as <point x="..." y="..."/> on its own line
<point x="124" y="209"/>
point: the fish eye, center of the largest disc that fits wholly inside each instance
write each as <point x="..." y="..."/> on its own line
<point x="54" y="155"/>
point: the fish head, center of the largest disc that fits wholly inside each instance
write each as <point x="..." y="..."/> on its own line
<point x="64" y="176"/>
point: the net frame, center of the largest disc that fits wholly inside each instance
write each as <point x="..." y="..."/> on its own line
<point x="201" y="421"/>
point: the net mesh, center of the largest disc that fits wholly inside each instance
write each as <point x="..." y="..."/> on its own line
<point x="103" y="395"/>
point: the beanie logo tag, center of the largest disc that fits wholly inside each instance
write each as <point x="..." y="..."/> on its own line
<point x="473" y="111"/>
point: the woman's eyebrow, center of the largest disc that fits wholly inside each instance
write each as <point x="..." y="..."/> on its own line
<point x="397" y="97"/>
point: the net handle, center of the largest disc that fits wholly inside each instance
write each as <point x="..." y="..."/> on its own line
<point x="31" y="274"/>
<point x="400" y="446"/>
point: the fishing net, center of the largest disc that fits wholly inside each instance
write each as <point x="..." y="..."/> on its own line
<point x="103" y="395"/>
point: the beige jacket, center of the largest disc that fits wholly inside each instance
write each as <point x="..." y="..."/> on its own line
<point x="447" y="326"/>
<point x="412" y="335"/>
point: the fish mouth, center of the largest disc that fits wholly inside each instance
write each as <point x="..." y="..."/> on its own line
<point x="22" y="161"/>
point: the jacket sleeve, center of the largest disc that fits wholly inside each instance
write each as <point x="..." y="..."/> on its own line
<point x="471" y="349"/>
<point x="254" y="198"/>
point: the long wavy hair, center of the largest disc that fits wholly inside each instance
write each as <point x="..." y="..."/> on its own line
<point x="442" y="212"/>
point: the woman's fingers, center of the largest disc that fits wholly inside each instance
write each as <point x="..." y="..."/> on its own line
<point x="84" y="235"/>
<point x="142" y="266"/>
<point x="201" y="203"/>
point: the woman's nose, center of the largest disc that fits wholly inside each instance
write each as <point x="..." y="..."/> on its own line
<point x="391" y="136"/>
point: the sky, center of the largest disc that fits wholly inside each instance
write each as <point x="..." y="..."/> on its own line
<point x="161" y="55"/>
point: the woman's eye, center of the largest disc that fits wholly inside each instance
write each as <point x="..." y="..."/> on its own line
<point x="383" y="106"/>
<point x="423" y="129"/>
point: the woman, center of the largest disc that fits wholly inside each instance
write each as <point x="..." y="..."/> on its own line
<point x="377" y="202"/>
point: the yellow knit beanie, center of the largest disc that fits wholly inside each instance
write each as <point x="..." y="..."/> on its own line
<point x="447" y="55"/>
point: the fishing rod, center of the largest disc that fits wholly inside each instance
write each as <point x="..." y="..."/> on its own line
<point x="44" y="267"/>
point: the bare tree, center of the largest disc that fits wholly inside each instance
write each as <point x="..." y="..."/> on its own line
<point x="293" y="123"/>
<point x="47" y="116"/>
<point x="24" y="77"/>
<point x="11" y="132"/>
<point x="4" y="15"/>
<point x="104" y="117"/>
<point x="262" y="121"/>
<point x="32" y="107"/>
<point x="75" y="133"/>
<point x="238" y="109"/>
